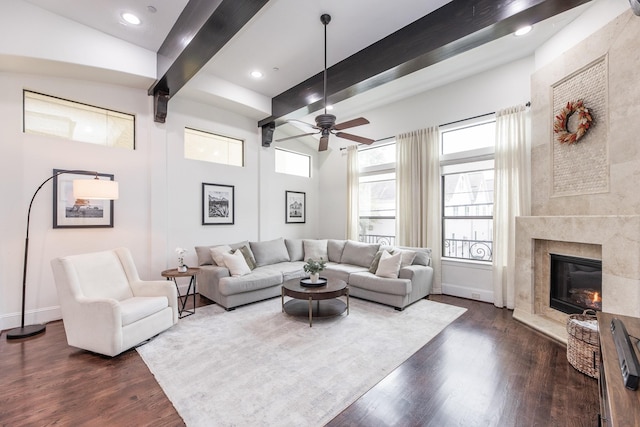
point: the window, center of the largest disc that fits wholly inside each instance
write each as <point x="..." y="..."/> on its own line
<point x="209" y="147"/>
<point x="293" y="163"/>
<point x="48" y="115"/>
<point x="467" y="191"/>
<point x="469" y="139"/>
<point x="377" y="194"/>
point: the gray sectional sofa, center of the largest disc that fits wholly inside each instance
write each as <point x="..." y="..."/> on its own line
<point x="278" y="260"/>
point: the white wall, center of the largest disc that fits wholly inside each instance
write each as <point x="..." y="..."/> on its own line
<point x="595" y="17"/>
<point x="160" y="200"/>
<point x="27" y="160"/>
<point x="272" y="194"/>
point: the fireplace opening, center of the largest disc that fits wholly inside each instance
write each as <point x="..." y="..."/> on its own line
<point x="576" y="284"/>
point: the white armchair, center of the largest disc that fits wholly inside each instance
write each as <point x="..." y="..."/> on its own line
<point x="106" y="308"/>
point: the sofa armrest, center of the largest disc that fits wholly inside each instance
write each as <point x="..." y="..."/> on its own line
<point x="214" y="272"/>
<point x="421" y="278"/>
<point x="158" y="288"/>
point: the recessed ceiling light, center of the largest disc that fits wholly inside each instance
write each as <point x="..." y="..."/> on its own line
<point x="256" y="74"/>
<point x="522" y="31"/>
<point x="130" y="18"/>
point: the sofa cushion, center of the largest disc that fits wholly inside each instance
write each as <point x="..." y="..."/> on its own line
<point x="334" y="249"/>
<point x="423" y="258"/>
<point x="248" y="256"/>
<point x="389" y="265"/>
<point x="260" y="278"/>
<point x="295" y="249"/>
<point x="269" y="252"/>
<point x="423" y="255"/>
<point x="137" y="308"/>
<point x="315" y="250"/>
<point x="236" y="263"/>
<point x="204" y="252"/>
<point x="371" y="282"/>
<point x="407" y="257"/>
<point x="340" y="271"/>
<point x="217" y="254"/>
<point x="358" y="253"/>
<point x="376" y="260"/>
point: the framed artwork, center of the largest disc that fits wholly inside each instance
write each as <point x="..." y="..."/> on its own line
<point x="69" y="212"/>
<point x="295" y="207"/>
<point x="217" y="204"/>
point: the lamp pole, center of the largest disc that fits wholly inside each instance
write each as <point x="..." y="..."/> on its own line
<point x="31" y="330"/>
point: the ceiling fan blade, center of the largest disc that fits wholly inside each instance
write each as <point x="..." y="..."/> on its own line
<point x="324" y="143"/>
<point x="300" y="121"/>
<point x="356" y="138"/>
<point x="296" y="136"/>
<point x="351" y="123"/>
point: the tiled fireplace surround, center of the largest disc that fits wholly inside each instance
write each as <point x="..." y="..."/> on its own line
<point x="600" y="223"/>
<point x="613" y="239"/>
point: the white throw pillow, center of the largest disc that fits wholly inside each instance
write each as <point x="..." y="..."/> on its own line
<point x="389" y="265"/>
<point x="315" y="249"/>
<point x="407" y="257"/>
<point x="217" y="252"/>
<point x="236" y="264"/>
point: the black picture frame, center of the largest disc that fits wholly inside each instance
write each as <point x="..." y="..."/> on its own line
<point x="218" y="204"/>
<point x="295" y="209"/>
<point x="71" y="213"/>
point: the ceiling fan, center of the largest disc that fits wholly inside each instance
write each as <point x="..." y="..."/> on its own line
<point x="326" y="123"/>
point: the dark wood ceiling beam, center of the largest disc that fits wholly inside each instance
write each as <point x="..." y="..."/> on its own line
<point x="203" y="28"/>
<point x="456" y="27"/>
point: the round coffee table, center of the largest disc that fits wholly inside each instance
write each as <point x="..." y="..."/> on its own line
<point x="303" y="297"/>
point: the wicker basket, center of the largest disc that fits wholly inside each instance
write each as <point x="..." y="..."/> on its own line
<point x="583" y="344"/>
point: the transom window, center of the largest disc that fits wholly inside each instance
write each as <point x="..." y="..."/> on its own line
<point x="51" y="116"/>
<point x="209" y="147"/>
<point x="292" y="163"/>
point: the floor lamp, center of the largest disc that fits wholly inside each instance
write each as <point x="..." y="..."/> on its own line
<point x="89" y="189"/>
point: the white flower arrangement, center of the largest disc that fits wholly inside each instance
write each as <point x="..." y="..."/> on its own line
<point x="181" y="252"/>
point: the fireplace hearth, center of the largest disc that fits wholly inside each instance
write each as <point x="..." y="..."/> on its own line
<point x="575" y="284"/>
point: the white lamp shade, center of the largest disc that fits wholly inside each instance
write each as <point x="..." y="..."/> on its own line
<point x="95" y="189"/>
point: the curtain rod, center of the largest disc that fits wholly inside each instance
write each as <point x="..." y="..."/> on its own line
<point x="528" y="104"/>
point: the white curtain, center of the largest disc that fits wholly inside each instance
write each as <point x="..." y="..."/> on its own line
<point x="352" y="193"/>
<point x="418" y="217"/>
<point x="511" y="198"/>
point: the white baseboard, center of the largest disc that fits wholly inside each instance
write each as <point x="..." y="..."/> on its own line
<point x="31" y="317"/>
<point x="467" y="292"/>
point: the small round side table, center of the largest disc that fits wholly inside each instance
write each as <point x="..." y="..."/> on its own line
<point x="173" y="274"/>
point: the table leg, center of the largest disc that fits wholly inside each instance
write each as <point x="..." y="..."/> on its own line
<point x="310" y="312"/>
<point x="183" y="299"/>
<point x="193" y="279"/>
<point x="347" y="301"/>
<point x="282" y="292"/>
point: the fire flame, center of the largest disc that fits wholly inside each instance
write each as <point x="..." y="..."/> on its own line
<point x="596" y="297"/>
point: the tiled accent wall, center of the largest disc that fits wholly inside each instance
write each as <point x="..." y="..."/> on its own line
<point x="582" y="167"/>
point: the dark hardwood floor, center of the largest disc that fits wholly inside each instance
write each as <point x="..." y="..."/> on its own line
<point x="485" y="369"/>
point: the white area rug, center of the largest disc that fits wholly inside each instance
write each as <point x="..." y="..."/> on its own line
<point x="260" y="367"/>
